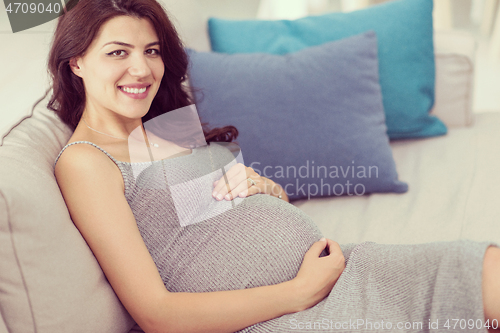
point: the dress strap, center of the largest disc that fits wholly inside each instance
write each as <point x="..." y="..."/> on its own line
<point x="90" y="143"/>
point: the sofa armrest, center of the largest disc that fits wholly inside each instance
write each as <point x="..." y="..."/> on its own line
<point x="455" y="53"/>
<point x="455" y="42"/>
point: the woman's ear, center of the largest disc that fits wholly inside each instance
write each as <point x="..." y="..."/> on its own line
<point x="73" y="64"/>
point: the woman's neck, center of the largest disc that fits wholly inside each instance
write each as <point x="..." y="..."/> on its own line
<point x="111" y="125"/>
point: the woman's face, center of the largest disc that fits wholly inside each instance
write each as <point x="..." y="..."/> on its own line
<point x="122" y="68"/>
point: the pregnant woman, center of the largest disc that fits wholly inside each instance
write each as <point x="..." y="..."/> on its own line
<point x="187" y="248"/>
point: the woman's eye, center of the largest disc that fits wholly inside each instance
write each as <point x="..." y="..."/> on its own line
<point x="153" y="51"/>
<point x="117" y="53"/>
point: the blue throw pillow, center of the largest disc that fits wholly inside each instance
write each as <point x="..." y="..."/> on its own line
<point x="313" y="121"/>
<point x="406" y="53"/>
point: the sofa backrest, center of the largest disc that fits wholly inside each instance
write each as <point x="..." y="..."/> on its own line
<point x="49" y="279"/>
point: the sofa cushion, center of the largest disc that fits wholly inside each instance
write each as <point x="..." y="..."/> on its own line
<point x="3" y="327"/>
<point x="454" y="193"/>
<point x="406" y="53"/>
<point x="316" y="109"/>
<point x="49" y="279"/>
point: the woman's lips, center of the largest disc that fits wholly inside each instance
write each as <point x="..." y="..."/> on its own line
<point x="135" y="96"/>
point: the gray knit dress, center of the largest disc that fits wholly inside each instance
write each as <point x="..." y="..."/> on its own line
<point x="200" y="245"/>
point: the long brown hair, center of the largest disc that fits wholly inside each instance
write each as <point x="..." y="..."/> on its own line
<point x="76" y="30"/>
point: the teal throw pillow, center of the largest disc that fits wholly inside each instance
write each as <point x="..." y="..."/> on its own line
<point x="405" y="49"/>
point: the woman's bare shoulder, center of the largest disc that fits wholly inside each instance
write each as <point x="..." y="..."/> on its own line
<point x="85" y="162"/>
<point x="82" y="156"/>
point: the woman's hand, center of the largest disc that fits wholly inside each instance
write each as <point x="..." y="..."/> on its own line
<point x="317" y="275"/>
<point x="242" y="181"/>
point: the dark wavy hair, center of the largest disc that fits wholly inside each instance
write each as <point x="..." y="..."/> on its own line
<point x="75" y="31"/>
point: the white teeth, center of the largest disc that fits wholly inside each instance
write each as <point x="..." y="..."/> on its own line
<point x="134" y="91"/>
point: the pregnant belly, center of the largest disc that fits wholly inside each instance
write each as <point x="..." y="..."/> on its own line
<point x="261" y="241"/>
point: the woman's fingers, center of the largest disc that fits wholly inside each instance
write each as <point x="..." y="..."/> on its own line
<point x="333" y="247"/>
<point x="236" y="174"/>
<point x="233" y="177"/>
<point x="317" y="275"/>
<point x="235" y="183"/>
<point x="318" y="247"/>
<point x="335" y="255"/>
<point x="244" y="189"/>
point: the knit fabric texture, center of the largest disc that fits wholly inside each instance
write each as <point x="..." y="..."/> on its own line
<point x="201" y="245"/>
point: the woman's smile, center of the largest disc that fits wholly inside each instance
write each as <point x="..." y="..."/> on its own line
<point x="135" y="92"/>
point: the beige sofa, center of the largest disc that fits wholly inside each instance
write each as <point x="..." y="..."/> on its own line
<point x="51" y="282"/>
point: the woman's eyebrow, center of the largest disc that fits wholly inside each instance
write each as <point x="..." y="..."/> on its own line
<point x="130" y="45"/>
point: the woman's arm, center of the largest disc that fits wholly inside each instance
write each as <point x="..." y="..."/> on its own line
<point x="229" y="311"/>
<point x="92" y="187"/>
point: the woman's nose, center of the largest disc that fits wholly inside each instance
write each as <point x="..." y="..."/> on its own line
<point x="139" y="66"/>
